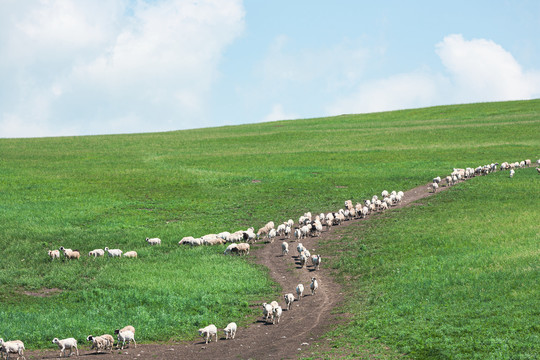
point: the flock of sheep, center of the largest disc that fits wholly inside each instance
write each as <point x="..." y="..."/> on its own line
<point x="307" y="226"/>
<point x="103" y="342"/>
<point x="76" y="254"/>
<point x="467" y="173"/>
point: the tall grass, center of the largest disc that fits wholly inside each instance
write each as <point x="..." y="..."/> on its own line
<point x="96" y="191"/>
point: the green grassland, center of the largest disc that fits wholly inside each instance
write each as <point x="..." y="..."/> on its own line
<point x="97" y="191"/>
<point x="455" y="278"/>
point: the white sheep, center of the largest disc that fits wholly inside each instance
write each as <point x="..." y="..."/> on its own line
<point x="289" y="299"/>
<point x="281" y="229"/>
<point x="96" y="252"/>
<point x="69" y="343"/>
<point x="267" y="312"/>
<point x="300" y="248"/>
<point x="512" y="172"/>
<point x="303" y="260"/>
<point x="316" y="261"/>
<point x="297" y="234"/>
<point x="299" y="291"/>
<point x="243" y="248"/>
<point x="110" y="340"/>
<point x="208" y="332"/>
<point x="70" y="254"/>
<point x="271" y="235"/>
<point x="277" y="314"/>
<point x="54" y="254"/>
<point x="230" y="330"/>
<point x="124" y="336"/>
<point x="130" y="254"/>
<point x="154" y="241"/>
<point x="231" y="248"/>
<point x="433" y="187"/>
<point x="12" y="347"/>
<point x="288" y="231"/>
<point x="98" y="342"/>
<point x="113" y="252"/>
<point x="284" y="248"/>
<point x="274" y="304"/>
<point x="314" y="285"/>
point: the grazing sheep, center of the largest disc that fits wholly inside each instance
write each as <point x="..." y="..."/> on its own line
<point x="208" y="332"/>
<point x="306" y="253"/>
<point x="299" y="291"/>
<point x="434" y="186"/>
<point x="305" y="231"/>
<point x="303" y="260"/>
<point x="277" y="314"/>
<point x="12" y="347"/>
<point x="96" y="252"/>
<point x="281" y="229"/>
<point x="512" y="172"/>
<point x="125" y="328"/>
<point x="314" y="285"/>
<point x="297" y="234"/>
<point x="243" y="248"/>
<point x="130" y="254"/>
<point x="230" y="330"/>
<point x="153" y="241"/>
<point x="289" y="299"/>
<point x="231" y="248"/>
<point x="288" y="231"/>
<point x="113" y="252"/>
<point x="54" y="254"/>
<point x="284" y="248"/>
<point x="267" y="312"/>
<point x="69" y="343"/>
<point x="316" y="261"/>
<point x="124" y="335"/>
<point x="70" y="254"/>
<point x="98" y="342"/>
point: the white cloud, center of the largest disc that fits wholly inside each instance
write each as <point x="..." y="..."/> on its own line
<point x="277" y="113"/>
<point x="477" y="70"/>
<point x="111" y="66"/>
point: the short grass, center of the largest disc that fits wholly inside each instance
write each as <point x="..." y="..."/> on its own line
<point x="96" y="191"/>
<point x="455" y="278"/>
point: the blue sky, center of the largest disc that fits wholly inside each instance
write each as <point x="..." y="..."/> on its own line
<point x="122" y="66"/>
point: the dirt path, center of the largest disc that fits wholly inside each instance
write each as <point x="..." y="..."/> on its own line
<point x="308" y="318"/>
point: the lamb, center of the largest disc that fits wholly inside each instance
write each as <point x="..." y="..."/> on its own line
<point x="316" y="261"/>
<point x="318" y="228"/>
<point x="267" y="311"/>
<point x="299" y="291"/>
<point x="54" y="254"/>
<point x="434" y="186"/>
<point x="284" y="248"/>
<point x="186" y="240"/>
<point x="96" y="252"/>
<point x="208" y="332"/>
<point x="230" y="330"/>
<point x="113" y="252"/>
<point x="297" y="234"/>
<point x="289" y="299"/>
<point x="69" y="343"/>
<point x="277" y="314"/>
<point x="153" y="241"/>
<point x="384" y="194"/>
<point x="125" y="335"/>
<point x="98" y="342"/>
<point x="110" y="340"/>
<point x="512" y="172"/>
<point x="290" y="223"/>
<point x="70" y="254"/>
<point x="305" y="231"/>
<point x="130" y="254"/>
<point x="313" y="286"/>
<point x="12" y="347"/>
<point x="528" y="162"/>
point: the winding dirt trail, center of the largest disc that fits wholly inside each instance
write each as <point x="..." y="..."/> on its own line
<point x="305" y="322"/>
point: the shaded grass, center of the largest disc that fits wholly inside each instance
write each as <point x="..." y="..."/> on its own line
<point x="96" y="191"/>
<point x="455" y="278"/>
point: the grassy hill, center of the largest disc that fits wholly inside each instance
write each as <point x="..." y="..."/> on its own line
<point x="97" y="191"/>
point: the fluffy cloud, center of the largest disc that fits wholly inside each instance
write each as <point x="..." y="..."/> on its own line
<point x="476" y="70"/>
<point x="114" y="66"/>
